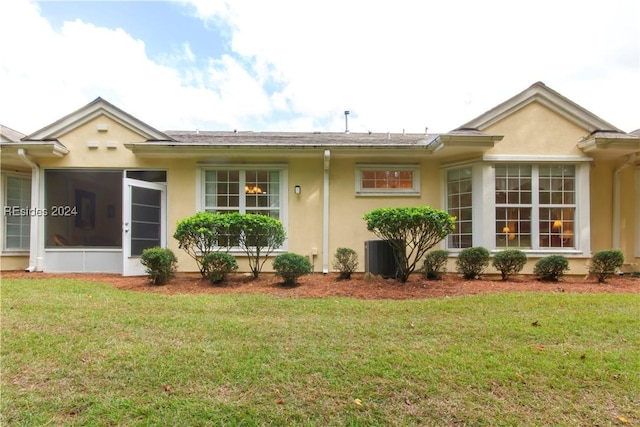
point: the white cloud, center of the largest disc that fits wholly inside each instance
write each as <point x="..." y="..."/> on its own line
<point x="298" y="65"/>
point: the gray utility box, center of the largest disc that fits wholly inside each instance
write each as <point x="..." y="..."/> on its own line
<point x="379" y="259"/>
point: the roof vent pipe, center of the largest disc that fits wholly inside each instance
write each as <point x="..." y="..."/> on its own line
<point x="346" y="121"/>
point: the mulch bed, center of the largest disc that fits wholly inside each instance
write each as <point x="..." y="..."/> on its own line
<point x="360" y="286"/>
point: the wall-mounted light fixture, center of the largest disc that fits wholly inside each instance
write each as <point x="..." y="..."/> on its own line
<point x="297" y="189"/>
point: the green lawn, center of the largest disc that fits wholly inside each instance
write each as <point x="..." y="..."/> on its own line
<point x="76" y="353"/>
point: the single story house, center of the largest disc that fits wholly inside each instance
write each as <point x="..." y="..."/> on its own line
<point x="538" y="172"/>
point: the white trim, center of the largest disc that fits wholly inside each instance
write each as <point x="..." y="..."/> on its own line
<point x="637" y="213"/>
<point x="413" y="167"/>
<point x="96" y="108"/>
<point x="540" y="93"/>
<point x="461" y="163"/>
<point x="484" y="206"/>
<point x="325" y="213"/>
<point x="535" y="158"/>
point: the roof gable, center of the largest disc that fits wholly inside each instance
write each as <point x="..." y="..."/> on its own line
<point x="540" y="93"/>
<point x="96" y="108"/>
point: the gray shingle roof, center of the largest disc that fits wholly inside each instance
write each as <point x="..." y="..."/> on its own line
<point x="298" y="139"/>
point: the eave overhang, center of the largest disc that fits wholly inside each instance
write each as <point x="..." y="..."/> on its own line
<point x="470" y="143"/>
<point x="610" y="144"/>
<point x="433" y="145"/>
<point x="35" y="149"/>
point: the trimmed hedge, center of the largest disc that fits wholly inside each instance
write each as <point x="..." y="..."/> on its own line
<point x="160" y="264"/>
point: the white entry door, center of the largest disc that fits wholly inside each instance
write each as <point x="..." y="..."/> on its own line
<point x="144" y="222"/>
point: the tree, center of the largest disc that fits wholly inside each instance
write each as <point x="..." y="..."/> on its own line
<point x="411" y="232"/>
<point x="198" y="235"/>
<point x="257" y="236"/>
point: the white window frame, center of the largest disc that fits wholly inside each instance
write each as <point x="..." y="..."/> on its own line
<point x="582" y="236"/>
<point x="448" y="207"/>
<point x="413" y="191"/>
<point x="283" y="195"/>
<point x="3" y="221"/>
<point x="484" y="206"/>
<point x="637" y="195"/>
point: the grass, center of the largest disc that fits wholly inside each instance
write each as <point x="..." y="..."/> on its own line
<point x="77" y="353"/>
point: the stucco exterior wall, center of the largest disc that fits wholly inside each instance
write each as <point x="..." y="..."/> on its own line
<point x="348" y="228"/>
<point x="11" y="262"/>
<point x="536" y="130"/>
<point x="81" y="156"/>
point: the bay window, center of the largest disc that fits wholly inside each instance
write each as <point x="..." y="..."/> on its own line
<point x="535" y="206"/>
<point x="459" y="205"/>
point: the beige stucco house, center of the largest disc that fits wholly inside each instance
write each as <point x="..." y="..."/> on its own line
<point x="538" y="172"/>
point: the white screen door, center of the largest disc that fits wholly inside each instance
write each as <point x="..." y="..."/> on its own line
<point x="144" y="222"/>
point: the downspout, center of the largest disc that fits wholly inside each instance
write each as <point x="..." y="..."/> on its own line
<point x="617" y="199"/>
<point x="35" y="258"/>
<point x="325" y="215"/>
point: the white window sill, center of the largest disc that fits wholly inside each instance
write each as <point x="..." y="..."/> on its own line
<point x="9" y="252"/>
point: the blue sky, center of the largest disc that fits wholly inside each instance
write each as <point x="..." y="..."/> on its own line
<point x="287" y="65"/>
<point x="163" y="26"/>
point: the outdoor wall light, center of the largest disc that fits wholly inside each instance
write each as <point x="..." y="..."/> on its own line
<point x="296" y="189"/>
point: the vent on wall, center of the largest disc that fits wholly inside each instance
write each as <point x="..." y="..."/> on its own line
<point x="379" y="259"/>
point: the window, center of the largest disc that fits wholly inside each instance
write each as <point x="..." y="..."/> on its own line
<point x="535" y="206"/>
<point x="387" y="180"/>
<point x="256" y="191"/>
<point x="459" y="205"/>
<point x="244" y="191"/>
<point x="17" y="220"/>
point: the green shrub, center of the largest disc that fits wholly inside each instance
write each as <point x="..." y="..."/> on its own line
<point x="605" y="263"/>
<point x="345" y="261"/>
<point x="472" y="262"/>
<point x="160" y="264"/>
<point x="257" y="235"/>
<point x="198" y="235"/>
<point x="509" y="261"/>
<point x="435" y="263"/>
<point x="551" y="268"/>
<point x="290" y="266"/>
<point x="411" y="231"/>
<point x="217" y="265"/>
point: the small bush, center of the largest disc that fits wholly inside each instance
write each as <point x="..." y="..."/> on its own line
<point x="551" y="268"/>
<point x="290" y="266"/>
<point x="472" y="262"/>
<point x="605" y="263"/>
<point x="160" y="264"/>
<point x="217" y="265"/>
<point x="411" y="231"/>
<point x="435" y="263"/>
<point x="199" y="235"/>
<point x="509" y="262"/>
<point x="345" y="261"/>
